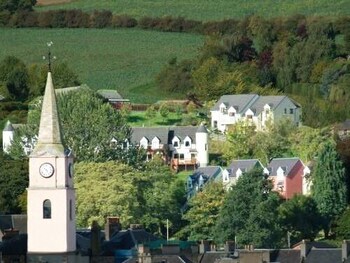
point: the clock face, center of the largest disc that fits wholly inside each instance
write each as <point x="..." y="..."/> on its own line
<point x="46" y="170"/>
<point x="70" y="170"/>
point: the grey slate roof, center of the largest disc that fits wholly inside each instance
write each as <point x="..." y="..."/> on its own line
<point x="285" y="256"/>
<point x="329" y="255"/>
<point x="254" y="102"/>
<point x="285" y="163"/>
<point x="345" y="125"/>
<point x="18" y="222"/>
<point x="202" y="129"/>
<point x="165" y="134"/>
<point x="127" y="239"/>
<point x="111" y="95"/>
<point x="239" y="102"/>
<point x="244" y="165"/>
<point x="273" y="101"/>
<point x="207" y="172"/>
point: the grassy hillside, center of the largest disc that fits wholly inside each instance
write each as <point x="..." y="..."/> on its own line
<point x="209" y="9"/>
<point x="127" y="60"/>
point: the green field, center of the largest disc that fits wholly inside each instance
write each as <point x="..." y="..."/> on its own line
<point x="212" y="9"/>
<point x="123" y="59"/>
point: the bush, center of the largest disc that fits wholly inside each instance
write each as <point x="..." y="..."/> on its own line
<point x="123" y="21"/>
<point x="44" y="19"/>
<point x="24" y="19"/>
<point x="101" y="19"/>
<point x="76" y="18"/>
<point x="5" y="17"/>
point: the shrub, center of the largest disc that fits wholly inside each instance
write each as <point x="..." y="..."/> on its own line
<point x="44" y="19"/>
<point x="101" y="19"/>
<point x="76" y="18"/>
<point x="24" y="19"/>
<point x="5" y="17"/>
<point x="123" y="21"/>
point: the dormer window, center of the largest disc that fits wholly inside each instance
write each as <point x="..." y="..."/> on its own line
<point x="187" y="142"/>
<point x="144" y="143"/>
<point x="223" y="108"/>
<point x="155" y="143"/>
<point x="232" y="112"/>
<point x="176" y="142"/>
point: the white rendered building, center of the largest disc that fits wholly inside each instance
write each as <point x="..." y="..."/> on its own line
<point x="258" y="110"/>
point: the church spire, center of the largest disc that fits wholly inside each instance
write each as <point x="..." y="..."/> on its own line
<point x="49" y="141"/>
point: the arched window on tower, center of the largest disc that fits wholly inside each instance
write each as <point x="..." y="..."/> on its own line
<point x="47" y="209"/>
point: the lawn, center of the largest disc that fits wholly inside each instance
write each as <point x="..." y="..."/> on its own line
<point x="208" y="9"/>
<point x="139" y="119"/>
<point x="124" y="59"/>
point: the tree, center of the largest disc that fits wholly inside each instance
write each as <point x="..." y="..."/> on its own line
<point x="176" y="77"/>
<point x="13" y="183"/>
<point x="164" y="110"/>
<point x="299" y="216"/>
<point x="203" y="211"/>
<point x="105" y="189"/>
<point x="249" y="213"/>
<point x="16" y="5"/>
<point x="343" y="225"/>
<point x="161" y="197"/>
<point x="238" y="142"/>
<point x="150" y="112"/>
<point x="14" y="75"/>
<point x="306" y="142"/>
<point x="328" y="185"/>
<point x="88" y="127"/>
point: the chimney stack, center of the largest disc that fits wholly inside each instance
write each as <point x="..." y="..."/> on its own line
<point x="204" y="246"/>
<point x="113" y="225"/>
<point x="305" y="247"/>
<point x="95" y="238"/>
<point x="345" y="249"/>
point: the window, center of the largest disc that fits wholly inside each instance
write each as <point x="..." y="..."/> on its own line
<point x="285" y="111"/>
<point x="223" y="110"/>
<point x="176" y="155"/>
<point x="187" y="143"/>
<point x="182" y="156"/>
<point x="47" y="209"/>
<point x="291" y="111"/>
<point x="231" y="114"/>
<point x="215" y="124"/>
<point x="176" y="144"/>
<point x="249" y="117"/>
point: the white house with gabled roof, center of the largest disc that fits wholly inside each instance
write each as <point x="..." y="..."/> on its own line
<point x="255" y="109"/>
<point x="183" y="147"/>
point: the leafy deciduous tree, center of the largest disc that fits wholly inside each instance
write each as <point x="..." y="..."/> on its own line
<point x="203" y="211"/>
<point x="249" y="213"/>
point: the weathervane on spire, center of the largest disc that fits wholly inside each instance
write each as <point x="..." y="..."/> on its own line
<point x="49" y="58"/>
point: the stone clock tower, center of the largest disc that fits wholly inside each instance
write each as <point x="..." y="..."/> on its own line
<point x="51" y="194"/>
